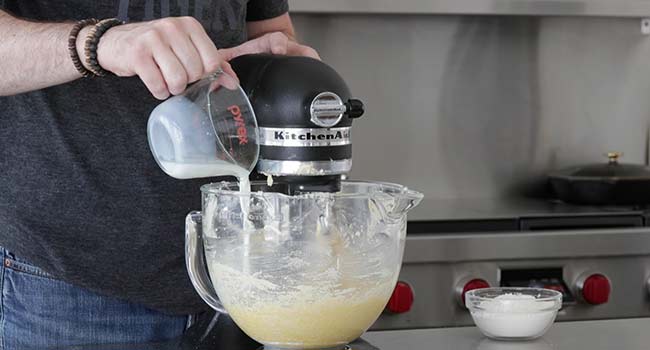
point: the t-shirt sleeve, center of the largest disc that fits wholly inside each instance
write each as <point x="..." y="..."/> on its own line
<point x="258" y="10"/>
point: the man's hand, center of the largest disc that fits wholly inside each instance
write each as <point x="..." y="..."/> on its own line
<point x="276" y="43"/>
<point x="167" y="54"/>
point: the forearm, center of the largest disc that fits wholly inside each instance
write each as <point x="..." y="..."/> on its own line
<point x="33" y="55"/>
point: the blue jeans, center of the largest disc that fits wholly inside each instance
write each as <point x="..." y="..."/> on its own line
<point x="40" y="312"/>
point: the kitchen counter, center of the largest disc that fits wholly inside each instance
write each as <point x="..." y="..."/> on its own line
<point x="627" y="334"/>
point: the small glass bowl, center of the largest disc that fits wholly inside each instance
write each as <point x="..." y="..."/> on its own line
<point x="509" y="313"/>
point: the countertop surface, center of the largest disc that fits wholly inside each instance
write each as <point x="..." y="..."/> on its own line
<point x="626" y="334"/>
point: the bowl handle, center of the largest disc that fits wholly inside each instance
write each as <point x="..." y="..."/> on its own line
<point x="195" y="261"/>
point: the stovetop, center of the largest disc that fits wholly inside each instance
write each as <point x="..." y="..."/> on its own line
<point x="210" y="332"/>
<point x="518" y="214"/>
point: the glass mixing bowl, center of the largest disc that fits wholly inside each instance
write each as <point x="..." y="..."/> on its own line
<point x="308" y="271"/>
<point x="513" y="313"/>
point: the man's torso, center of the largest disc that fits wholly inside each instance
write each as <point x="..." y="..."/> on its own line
<point x="82" y="197"/>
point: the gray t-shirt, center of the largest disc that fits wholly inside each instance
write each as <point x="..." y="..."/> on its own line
<point x="80" y="194"/>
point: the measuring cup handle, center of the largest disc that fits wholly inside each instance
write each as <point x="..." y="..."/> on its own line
<point x="195" y="261"/>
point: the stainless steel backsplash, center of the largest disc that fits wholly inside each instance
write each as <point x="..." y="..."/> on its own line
<point x="471" y="106"/>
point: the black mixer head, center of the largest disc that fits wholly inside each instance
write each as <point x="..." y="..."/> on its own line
<point x="304" y="112"/>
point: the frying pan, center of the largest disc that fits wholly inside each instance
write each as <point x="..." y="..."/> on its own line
<point x="611" y="183"/>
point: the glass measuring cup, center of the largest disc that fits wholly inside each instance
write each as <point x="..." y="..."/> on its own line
<point x="209" y="130"/>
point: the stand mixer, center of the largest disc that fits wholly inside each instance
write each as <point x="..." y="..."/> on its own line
<point x="309" y="260"/>
<point x="304" y="112"/>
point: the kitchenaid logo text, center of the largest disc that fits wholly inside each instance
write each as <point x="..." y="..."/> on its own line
<point x="242" y="133"/>
<point x="338" y="135"/>
<point x="305" y="137"/>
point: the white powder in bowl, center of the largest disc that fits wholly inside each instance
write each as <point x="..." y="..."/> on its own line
<point x="514" y="316"/>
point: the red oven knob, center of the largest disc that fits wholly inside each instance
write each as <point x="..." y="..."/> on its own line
<point x="402" y="298"/>
<point x="467" y="285"/>
<point x="595" y="288"/>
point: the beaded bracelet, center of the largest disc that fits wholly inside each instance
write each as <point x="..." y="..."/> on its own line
<point x="72" y="45"/>
<point x="92" y="40"/>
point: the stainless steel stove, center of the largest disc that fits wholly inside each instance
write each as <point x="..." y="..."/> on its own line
<point x="598" y="257"/>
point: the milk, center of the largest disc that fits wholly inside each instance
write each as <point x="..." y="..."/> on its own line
<point x="208" y="169"/>
<point x="214" y="169"/>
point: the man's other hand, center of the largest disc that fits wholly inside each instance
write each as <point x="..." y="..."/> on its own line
<point x="276" y="43"/>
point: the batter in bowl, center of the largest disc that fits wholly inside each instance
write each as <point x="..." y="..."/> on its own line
<point x="310" y="317"/>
